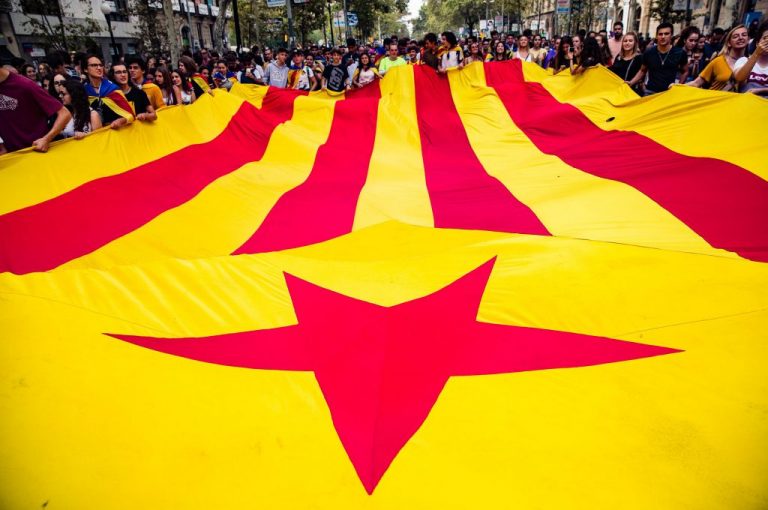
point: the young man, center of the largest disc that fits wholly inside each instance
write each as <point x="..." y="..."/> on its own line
<point x="335" y="74"/>
<point x="276" y="73"/>
<point x="393" y="59"/>
<point x="300" y="77"/>
<point x="136" y="96"/>
<point x="24" y="111"/>
<point x="105" y="97"/>
<point x="137" y="68"/>
<point x="352" y="53"/>
<point x="614" y="43"/>
<point x="429" y="56"/>
<point x="662" y="63"/>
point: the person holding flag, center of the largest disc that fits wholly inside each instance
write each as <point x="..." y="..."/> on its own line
<point x="450" y="53"/>
<point x="105" y="97"/>
<point x="199" y="83"/>
<point x="300" y="76"/>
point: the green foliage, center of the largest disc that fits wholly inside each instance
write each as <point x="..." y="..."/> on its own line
<point x="662" y="10"/>
<point x="59" y="34"/>
<point x="147" y="30"/>
<point x="441" y="15"/>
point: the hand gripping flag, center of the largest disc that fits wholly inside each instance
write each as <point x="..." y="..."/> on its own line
<point x="492" y="289"/>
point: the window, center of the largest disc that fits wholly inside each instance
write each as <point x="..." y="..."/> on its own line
<point x="121" y="10"/>
<point x="48" y="7"/>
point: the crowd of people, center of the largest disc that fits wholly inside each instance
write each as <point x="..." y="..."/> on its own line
<point x="74" y="95"/>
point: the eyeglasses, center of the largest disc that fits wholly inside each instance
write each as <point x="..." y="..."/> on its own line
<point x="95" y="65"/>
<point x="120" y="72"/>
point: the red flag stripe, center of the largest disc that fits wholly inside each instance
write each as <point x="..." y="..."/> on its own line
<point x="462" y="193"/>
<point x="46" y="235"/>
<point x="323" y="206"/>
<point x="718" y="200"/>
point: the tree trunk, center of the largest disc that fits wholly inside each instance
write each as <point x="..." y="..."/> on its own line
<point x="220" y="26"/>
<point x="170" y="26"/>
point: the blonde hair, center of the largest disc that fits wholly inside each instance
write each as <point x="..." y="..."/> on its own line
<point x="635" y="48"/>
<point x="727" y="41"/>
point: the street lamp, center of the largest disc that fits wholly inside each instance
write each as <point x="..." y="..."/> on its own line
<point x="106" y="9"/>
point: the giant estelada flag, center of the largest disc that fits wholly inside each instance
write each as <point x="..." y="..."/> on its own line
<point x="492" y="289"/>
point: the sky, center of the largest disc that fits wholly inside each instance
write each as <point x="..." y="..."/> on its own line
<point x="413" y="8"/>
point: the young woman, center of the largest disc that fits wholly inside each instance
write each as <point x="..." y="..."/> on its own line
<point x="186" y="91"/>
<point x="84" y="120"/>
<point x="523" y="50"/>
<point x="591" y="55"/>
<point x="719" y="72"/>
<point x="752" y="73"/>
<point x="499" y="53"/>
<point x="689" y="41"/>
<point x="171" y="93"/>
<point x="604" y="50"/>
<point x="474" y="54"/>
<point x="629" y="60"/>
<point x="365" y="73"/>
<point x="564" y="56"/>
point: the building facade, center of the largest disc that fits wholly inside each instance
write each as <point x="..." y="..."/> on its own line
<point x="636" y="15"/>
<point x="24" y="23"/>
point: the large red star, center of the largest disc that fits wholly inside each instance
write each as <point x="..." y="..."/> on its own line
<point x="381" y="369"/>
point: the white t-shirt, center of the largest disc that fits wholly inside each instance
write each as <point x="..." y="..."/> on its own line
<point x="758" y="77"/>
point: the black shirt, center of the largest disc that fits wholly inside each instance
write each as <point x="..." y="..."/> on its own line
<point x="663" y="67"/>
<point x="626" y="69"/>
<point x="336" y="77"/>
<point x="138" y="99"/>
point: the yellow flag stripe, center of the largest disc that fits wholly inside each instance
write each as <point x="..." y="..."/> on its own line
<point x="568" y="201"/>
<point x="396" y="186"/>
<point x="26" y="178"/>
<point x="684" y="119"/>
<point x="227" y="212"/>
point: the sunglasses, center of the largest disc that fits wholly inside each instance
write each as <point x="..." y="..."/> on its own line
<point x="60" y="82"/>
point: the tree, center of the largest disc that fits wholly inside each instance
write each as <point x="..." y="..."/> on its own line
<point x="308" y="17"/>
<point x="663" y="10"/>
<point x="220" y="26"/>
<point x="58" y="35"/>
<point x="152" y="38"/>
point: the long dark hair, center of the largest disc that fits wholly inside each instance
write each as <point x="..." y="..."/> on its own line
<point x="167" y="84"/>
<point x="186" y="84"/>
<point x="365" y="67"/>
<point x="591" y="54"/>
<point x="561" y="57"/>
<point x="81" y="111"/>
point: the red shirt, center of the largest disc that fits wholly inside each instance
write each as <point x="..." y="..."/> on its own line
<point x="24" y="111"/>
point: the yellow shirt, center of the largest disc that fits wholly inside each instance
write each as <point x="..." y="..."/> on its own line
<point x="717" y="73"/>
<point x="154" y="94"/>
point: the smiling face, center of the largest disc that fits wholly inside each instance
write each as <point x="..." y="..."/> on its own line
<point x="120" y="73"/>
<point x="628" y="43"/>
<point x="30" y="73"/>
<point x="176" y="78"/>
<point x="738" y="39"/>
